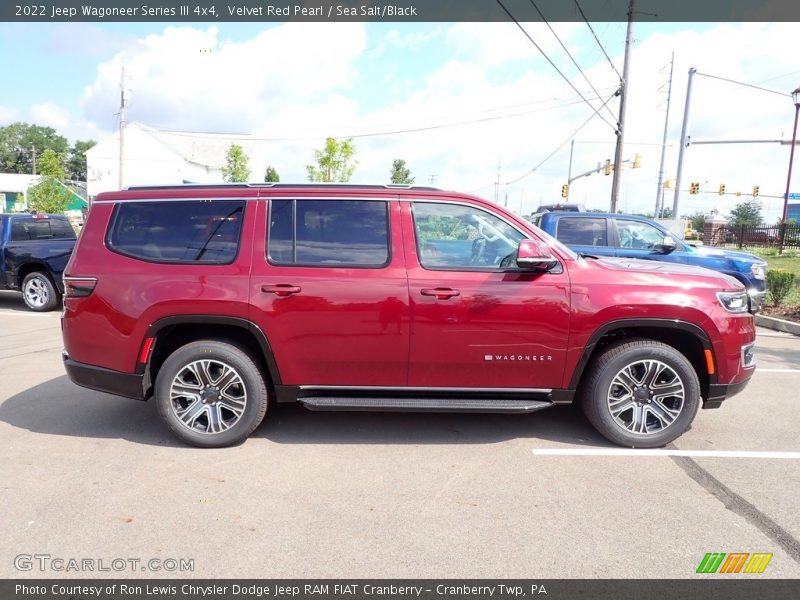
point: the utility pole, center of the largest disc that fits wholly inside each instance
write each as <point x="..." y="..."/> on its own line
<point x="432" y="178"/>
<point x="660" y="192"/>
<point x="33" y="153"/>
<point x="121" y="126"/>
<point x="684" y="143"/>
<point x="569" y="172"/>
<point x="623" y="93"/>
<point x="497" y="185"/>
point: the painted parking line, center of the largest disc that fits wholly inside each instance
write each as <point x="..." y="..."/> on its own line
<point x="16" y="313"/>
<point x="777" y="370"/>
<point x="663" y="453"/>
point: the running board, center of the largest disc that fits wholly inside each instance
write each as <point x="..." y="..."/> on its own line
<point x="477" y="405"/>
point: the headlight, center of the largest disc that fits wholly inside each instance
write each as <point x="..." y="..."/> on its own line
<point x="759" y="271"/>
<point x="735" y="302"/>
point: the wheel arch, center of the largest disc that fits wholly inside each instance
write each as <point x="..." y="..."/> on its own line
<point x="170" y="333"/>
<point x="687" y="338"/>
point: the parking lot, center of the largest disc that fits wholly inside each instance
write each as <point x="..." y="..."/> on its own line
<point x="87" y="475"/>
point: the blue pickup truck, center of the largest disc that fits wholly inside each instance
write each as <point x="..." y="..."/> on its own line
<point x="34" y="250"/>
<point x="628" y="236"/>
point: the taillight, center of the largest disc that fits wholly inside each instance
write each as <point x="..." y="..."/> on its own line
<point x="79" y="287"/>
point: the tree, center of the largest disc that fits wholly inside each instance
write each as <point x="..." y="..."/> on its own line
<point x="698" y="219"/>
<point x="401" y="173"/>
<point x="236" y="161"/>
<point x="747" y="213"/>
<point x="666" y="213"/>
<point x="271" y="175"/>
<point x="334" y="163"/>
<point x="50" y="195"/>
<point x="76" y="165"/>
<point x="17" y="143"/>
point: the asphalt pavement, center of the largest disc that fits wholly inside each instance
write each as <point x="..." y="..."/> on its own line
<point x="88" y="476"/>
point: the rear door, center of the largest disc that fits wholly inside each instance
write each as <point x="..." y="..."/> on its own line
<point x="329" y="288"/>
<point x="589" y="235"/>
<point x="474" y="324"/>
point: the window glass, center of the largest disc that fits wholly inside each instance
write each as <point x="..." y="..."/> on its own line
<point x="61" y="228"/>
<point x="30" y="229"/>
<point x="633" y="234"/>
<point x="329" y="232"/>
<point x="200" y="231"/>
<point x="455" y="236"/>
<point x="582" y="232"/>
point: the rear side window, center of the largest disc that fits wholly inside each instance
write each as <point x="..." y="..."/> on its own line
<point x="30" y="229"/>
<point x="582" y="232"/>
<point x="61" y="229"/>
<point x="201" y="231"/>
<point x="329" y="233"/>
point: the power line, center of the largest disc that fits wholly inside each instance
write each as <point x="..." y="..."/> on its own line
<point x="574" y="62"/>
<point x="750" y="85"/>
<point x="585" y="20"/>
<point x="564" y="143"/>
<point x="564" y="77"/>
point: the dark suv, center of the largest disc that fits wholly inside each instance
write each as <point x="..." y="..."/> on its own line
<point x="216" y="300"/>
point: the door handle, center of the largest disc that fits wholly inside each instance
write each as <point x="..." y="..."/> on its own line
<point x="281" y="289"/>
<point x="440" y="293"/>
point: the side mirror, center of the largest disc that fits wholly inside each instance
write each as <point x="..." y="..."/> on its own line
<point x="532" y="255"/>
<point x="667" y="246"/>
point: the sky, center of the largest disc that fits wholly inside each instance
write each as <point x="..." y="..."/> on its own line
<point x="472" y="107"/>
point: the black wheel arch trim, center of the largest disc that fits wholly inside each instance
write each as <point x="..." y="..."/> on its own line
<point x="620" y="324"/>
<point x="200" y="319"/>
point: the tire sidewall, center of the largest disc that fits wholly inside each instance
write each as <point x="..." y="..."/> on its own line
<point x="51" y="291"/>
<point x="231" y="355"/>
<point x="608" y="425"/>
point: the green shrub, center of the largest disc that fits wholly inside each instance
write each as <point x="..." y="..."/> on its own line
<point x="779" y="285"/>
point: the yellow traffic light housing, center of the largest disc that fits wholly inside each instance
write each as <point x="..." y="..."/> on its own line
<point x="637" y="161"/>
<point x="607" y="168"/>
<point x="721" y="189"/>
<point x="755" y="191"/>
<point x="565" y="190"/>
<point x="694" y="188"/>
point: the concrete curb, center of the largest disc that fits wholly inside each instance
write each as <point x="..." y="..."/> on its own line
<point x="778" y="324"/>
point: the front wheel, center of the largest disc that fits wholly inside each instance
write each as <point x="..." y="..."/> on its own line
<point x="39" y="292"/>
<point x="641" y="394"/>
<point x="210" y="393"/>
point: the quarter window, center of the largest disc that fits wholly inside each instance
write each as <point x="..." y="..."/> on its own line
<point x="198" y="231"/>
<point x="455" y="236"/>
<point x="329" y="233"/>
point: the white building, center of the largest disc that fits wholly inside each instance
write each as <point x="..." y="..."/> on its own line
<point x="14" y="190"/>
<point x="157" y="156"/>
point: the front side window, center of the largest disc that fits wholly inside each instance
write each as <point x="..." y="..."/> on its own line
<point x="637" y="235"/>
<point x="176" y="231"/>
<point x="582" y="232"/>
<point x="329" y="233"/>
<point x="455" y="236"/>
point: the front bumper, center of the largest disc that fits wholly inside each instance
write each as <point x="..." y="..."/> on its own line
<point x="129" y="385"/>
<point x="756" y="299"/>
<point x="719" y="392"/>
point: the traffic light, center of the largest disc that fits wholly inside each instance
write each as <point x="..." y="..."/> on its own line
<point x="565" y="190"/>
<point x="668" y="184"/>
<point x="694" y="188"/>
<point x="721" y="189"/>
<point x="755" y="191"/>
<point x="637" y="161"/>
<point x="607" y="168"/>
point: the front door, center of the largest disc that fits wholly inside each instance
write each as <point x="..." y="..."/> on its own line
<point x="476" y="324"/>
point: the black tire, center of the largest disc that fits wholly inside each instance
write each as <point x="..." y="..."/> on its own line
<point x="660" y="410"/>
<point x="242" y="379"/>
<point x="39" y="292"/>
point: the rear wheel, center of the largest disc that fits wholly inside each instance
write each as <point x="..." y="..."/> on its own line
<point x="39" y="292"/>
<point x="211" y="393"/>
<point x="641" y="394"/>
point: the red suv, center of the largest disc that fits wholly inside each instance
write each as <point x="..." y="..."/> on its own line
<point x="217" y="300"/>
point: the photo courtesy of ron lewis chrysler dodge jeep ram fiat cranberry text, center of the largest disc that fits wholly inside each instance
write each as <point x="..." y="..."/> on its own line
<point x="216" y="301"/>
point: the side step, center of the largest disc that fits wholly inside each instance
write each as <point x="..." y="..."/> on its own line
<point x="476" y="405"/>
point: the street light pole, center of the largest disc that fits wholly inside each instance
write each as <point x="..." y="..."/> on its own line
<point x="796" y="99"/>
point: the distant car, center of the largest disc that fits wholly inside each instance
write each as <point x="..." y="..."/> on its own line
<point x="561" y="207"/>
<point x="34" y="249"/>
<point x="630" y="236"/>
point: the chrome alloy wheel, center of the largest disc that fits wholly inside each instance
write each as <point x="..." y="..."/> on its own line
<point x="645" y="397"/>
<point x="208" y="396"/>
<point x="36" y="293"/>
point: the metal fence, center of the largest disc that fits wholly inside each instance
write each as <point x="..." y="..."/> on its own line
<point x="764" y="236"/>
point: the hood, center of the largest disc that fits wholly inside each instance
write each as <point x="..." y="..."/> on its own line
<point x="734" y="255"/>
<point x="664" y="273"/>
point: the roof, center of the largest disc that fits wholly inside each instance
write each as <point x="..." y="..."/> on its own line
<point x="353" y="186"/>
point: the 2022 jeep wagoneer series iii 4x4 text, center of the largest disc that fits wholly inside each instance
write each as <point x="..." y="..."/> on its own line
<point x="216" y="301"/>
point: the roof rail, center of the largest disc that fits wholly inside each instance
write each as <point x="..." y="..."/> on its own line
<point x="391" y="186"/>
